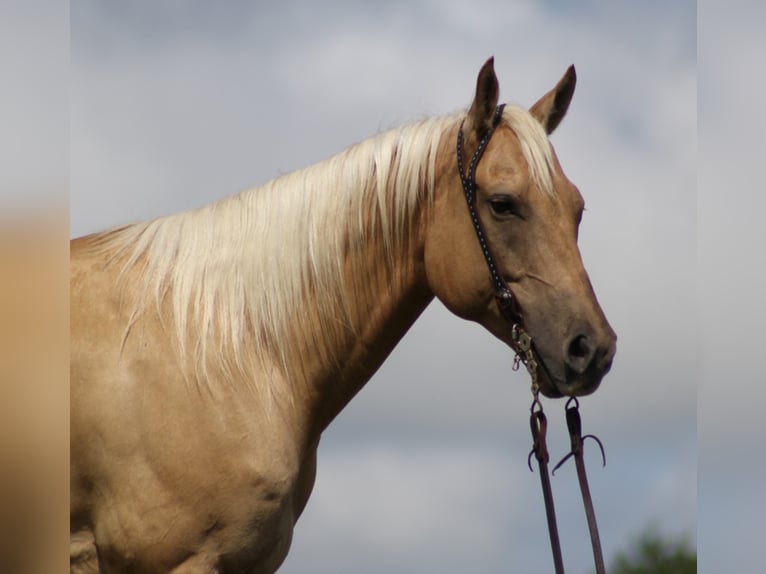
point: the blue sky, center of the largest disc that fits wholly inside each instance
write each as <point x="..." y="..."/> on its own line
<point x="175" y="106"/>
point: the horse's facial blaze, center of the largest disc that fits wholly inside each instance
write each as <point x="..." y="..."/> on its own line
<point x="533" y="237"/>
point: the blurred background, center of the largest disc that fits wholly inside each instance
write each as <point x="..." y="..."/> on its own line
<point x="141" y="109"/>
<point x="34" y="331"/>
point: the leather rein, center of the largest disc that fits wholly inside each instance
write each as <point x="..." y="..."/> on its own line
<point x="523" y="346"/>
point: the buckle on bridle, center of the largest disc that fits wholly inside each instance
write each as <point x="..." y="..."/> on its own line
<point x="521" y="338"/>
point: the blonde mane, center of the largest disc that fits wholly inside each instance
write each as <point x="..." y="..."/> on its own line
<point x="535" y="147"/>
<point x="235" y="271"/>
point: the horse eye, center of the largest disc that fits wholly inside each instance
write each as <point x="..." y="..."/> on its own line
<point x="504" y="205"/>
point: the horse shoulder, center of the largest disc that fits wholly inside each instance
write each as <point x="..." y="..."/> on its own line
<point x="198" y="464"/>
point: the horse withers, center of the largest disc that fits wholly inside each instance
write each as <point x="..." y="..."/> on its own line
<point x="210" y="349"/>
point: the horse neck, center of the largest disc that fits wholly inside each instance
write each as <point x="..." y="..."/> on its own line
<point x="302" y="312"/>
<point x="347" y="336"/>
<point x="385" y="293"/>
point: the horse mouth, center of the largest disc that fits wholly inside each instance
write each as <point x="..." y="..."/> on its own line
<point x="556" y="376"/>
<point x="571" y="384"/>
<point x="557" y="389"/>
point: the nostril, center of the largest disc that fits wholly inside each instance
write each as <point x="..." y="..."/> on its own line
<point x="579" y="353"/>
<point x="579" y="347"/>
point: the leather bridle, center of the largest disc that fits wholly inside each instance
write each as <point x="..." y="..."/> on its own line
<point x="506" y="302"/>
<point x="523" y="346"/>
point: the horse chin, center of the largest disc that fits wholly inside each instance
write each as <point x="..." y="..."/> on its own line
<point x="551" y="392"/>
<point x="557" y="389"/>
<point x="581" y="388"/>
<point x="550" y="387"/>
<point x="577" y="387"/>
<point x="571" y="385"/>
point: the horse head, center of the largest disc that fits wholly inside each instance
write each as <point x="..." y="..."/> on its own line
<point x="530" y="215"/>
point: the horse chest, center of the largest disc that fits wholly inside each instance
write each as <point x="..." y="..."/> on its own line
<point x="193" y="485"/>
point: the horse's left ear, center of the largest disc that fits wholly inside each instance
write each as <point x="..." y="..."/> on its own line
<point x="484" y="103"/>
<point x="552" y="107"/>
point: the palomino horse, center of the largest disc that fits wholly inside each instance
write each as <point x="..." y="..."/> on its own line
<point x="210" y="349"/>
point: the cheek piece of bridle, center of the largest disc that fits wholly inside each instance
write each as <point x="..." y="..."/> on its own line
<point x="523" y="346"/>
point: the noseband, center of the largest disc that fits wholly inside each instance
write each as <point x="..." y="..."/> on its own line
<point x="506" y="302"/>
<point x="522" y="344"/>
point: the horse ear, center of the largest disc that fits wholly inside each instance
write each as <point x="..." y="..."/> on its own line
<point x="487" y="93"/>
<point x="552" y="107"/>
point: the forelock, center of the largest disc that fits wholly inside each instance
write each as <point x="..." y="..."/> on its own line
<point x="535" y="146"/>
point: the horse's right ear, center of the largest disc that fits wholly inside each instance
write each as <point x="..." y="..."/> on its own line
<point x="552" y="107"/>
<point x="485" y="101"/>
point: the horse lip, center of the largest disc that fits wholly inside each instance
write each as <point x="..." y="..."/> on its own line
<point x="554" y="387"/>
<point x="552" y="392"/>
<point x="549" y="385"/>
<point x="579" y="387"/>
<point x="571" y="384"/>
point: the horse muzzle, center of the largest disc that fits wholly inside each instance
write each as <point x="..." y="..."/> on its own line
<point x="587" y="358"/>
